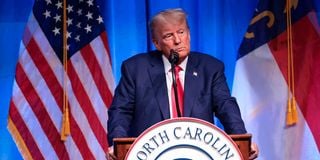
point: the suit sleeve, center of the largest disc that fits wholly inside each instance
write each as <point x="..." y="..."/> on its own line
<point x="226" y="107"/>
<point x="122" y="107"/>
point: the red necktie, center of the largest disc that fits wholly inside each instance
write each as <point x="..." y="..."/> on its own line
<point x="180" y="94"/>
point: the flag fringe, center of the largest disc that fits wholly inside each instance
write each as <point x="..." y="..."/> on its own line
<point x="18" y="140"/>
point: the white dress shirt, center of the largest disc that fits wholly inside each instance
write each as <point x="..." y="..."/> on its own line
<point x="167" y="69"/>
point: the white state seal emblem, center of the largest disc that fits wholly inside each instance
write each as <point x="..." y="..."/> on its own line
<point x="184" y="139"/>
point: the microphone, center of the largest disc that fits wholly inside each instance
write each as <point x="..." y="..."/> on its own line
<point x="173" y="59"/>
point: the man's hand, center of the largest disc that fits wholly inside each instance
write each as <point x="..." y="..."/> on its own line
<point x="254" y="151"/>
<point x="110" y="154"/>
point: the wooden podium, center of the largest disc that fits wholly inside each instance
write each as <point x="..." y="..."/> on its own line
<point x="122" y="145"/>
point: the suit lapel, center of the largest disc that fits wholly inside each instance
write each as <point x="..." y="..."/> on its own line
<point x="158" y="80"/>
<point x="192" y="78"/>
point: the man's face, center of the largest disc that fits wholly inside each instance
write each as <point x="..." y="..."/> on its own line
<point x="169" y="36"/>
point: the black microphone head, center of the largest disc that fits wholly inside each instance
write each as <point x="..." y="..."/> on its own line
<point x="173" y="57"/>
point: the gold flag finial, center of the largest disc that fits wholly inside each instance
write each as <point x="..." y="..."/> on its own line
<point x="291" y="4"/>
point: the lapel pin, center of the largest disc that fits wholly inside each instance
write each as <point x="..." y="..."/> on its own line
<point x="195" y="74"/>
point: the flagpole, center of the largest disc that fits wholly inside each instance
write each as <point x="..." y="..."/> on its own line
<point x="65" y="130"/>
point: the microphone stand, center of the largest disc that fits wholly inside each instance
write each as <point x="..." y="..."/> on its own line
<point x="173" y="59"/>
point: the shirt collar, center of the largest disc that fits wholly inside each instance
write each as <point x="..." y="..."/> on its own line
<point x="167" y="65"/>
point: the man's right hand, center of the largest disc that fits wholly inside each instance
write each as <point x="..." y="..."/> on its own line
<point x="110" y="154"/>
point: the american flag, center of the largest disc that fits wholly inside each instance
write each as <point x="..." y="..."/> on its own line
<point x="36" y="106"/>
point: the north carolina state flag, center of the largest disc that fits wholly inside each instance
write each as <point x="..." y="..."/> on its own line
<point x="262" y="85"/>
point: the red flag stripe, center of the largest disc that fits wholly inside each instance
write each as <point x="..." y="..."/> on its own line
<point x="87" y="107"/>
<point x="84" y="127"/>
<point x="79" y="139"/>
<point x="24" y="132"/>
<point x="85" y="76"/>
<point x="306" y="67"/>
<point x="92" y="63"/>
<point x="41" y="64"/>
<point x="104" y="61"/>
<point x="40" y="111"/>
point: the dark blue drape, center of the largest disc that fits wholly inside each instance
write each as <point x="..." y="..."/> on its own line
<point x="217" y="28"/>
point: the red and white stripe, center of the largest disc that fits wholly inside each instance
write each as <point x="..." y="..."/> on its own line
<point x="260" y="86"/>
<point x="35" y="115"/>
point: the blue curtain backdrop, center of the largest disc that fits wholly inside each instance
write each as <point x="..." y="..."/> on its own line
<point x="217" y="28"/>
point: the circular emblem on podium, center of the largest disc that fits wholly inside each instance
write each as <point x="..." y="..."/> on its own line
<point x="183" y="139"/>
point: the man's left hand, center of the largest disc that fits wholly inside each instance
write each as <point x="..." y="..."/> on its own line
<point x="254" y="151"/>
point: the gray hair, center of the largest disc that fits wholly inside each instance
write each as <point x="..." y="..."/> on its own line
<point x="169" y="15"/>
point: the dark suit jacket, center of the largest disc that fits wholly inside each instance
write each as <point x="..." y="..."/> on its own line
<point x="141" y="99"/>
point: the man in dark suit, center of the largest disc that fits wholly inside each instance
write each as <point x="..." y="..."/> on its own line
<point x="143" y="96"/>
